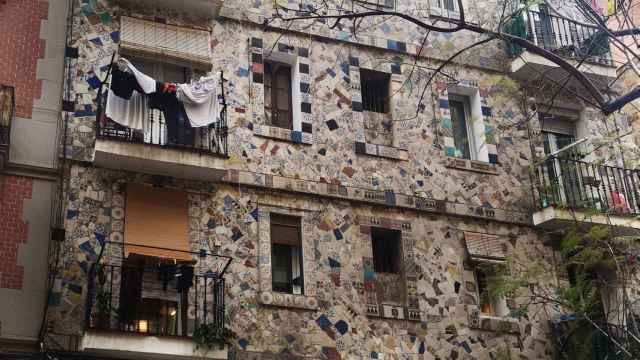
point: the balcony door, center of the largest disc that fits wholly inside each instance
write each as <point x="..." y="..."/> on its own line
<point x="561" y="173"/>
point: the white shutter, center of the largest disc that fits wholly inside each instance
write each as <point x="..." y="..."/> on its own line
<point x="174" y="42"/>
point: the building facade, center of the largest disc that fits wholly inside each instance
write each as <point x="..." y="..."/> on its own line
<point x="33" y="39"/>
<point x="335" y="209"/>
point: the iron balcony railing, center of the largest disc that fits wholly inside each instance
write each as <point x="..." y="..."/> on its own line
<point x="579" y="185"/>
<point x="160" y="296"/>
<point x="211" y="139"/>
<point x="562" y="36"/>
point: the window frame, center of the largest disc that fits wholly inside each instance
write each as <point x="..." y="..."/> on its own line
<point x="438" y="8"/>
<point x="470" y="131"/>
<point x="494" y="305"/>
<point x="377" y="3"/>
<point x="381" y="76"/>
<point x="274" y="91"/>
<point x="393" y="262"/>
<point x="290" y="272"/>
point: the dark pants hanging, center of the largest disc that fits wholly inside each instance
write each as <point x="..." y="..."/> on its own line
<point x="179" y="130"/>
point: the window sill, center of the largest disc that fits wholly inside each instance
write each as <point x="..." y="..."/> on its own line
<point x="274" y="132"/>
<point x="505" y="324"/>
<point x="471" y="165"/>
<point x="272" y="298"/>
<point x="383" y="151"/>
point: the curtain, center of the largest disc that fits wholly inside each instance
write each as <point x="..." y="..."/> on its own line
<point x="296" y="270"/>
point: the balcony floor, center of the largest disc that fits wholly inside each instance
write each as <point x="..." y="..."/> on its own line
<point x="551" y="218"/>
<point x="530" y="66"/>
<point x="115" y="344"/>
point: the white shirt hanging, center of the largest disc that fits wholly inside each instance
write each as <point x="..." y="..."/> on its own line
<point x="200" y="101"/>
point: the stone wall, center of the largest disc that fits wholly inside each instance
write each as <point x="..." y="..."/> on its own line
<point x="340" y="315"/>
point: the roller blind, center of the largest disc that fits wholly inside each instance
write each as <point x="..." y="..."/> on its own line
<point x="158" y="39"/>
<point x="285" y="230"/>
<point x="156" y="217"/>
<point x="559" y="124"/>
<point x="484" y="246"/>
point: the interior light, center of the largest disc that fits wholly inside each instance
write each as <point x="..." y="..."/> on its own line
<point x="143" y="326"/>
<point x="173" y="312"/>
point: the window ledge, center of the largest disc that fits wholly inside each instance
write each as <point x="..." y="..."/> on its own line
<point x="274" y="132"/>
<point x="384" y="151"/>
<point x="484" y="322"/>
<point x="272" y="298"/>
<point x="471" y="165"/>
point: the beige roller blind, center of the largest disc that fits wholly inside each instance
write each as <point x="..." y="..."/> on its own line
<point x="166" y="41"/>
<point x="156" y="217"/>
<point x="484" y="246"/>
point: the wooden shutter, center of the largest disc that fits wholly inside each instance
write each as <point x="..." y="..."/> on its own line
<point x="166" y="41"/>
<point x="156" y="217"/>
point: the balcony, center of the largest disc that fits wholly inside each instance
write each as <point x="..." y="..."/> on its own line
<point x="154" y="302"/>
<point x="569" y="39"/>
<point x="7" y="113"/>
<point x="568" y="190"/>
<point x="176" y="150"/>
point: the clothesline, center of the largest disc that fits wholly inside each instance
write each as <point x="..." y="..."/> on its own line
<point x="132" y="93"/>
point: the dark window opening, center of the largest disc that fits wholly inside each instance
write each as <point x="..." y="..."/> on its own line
<point x="286" y="254"/>
<point x="387" y="253"/>
<point x="278" y="94"/>
<point x="486" y="307"/>
<point x="375" y="90"/>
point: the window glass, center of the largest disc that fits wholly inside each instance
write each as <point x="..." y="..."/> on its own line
<point x="278" y="94"/>
<point x="387" y="254"/>
<point x="375" y="90"/>
<point x="460" y="129"/>
<point x="286" y="254"/>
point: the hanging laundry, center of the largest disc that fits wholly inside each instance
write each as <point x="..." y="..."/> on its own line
<point x="147" y="84"/>
<point x="178" y="130"/>
<point x="185" y="280"/>
<point x="123" y="83"/>
<point x="200" y="101"/>
<point x="132" y="113"/>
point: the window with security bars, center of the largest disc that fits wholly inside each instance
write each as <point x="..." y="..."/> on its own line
<point x="444" y="8"/>
<point x="278" y="94"/>
<point x="374" y="86"/>
<point x="387" y="250"/>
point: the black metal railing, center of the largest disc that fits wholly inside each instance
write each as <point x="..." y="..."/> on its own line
<point x="580" y="185"/>
<point x="210" y="139"/>
<point x="160" y="296"/>
<point x="562" y="36"/>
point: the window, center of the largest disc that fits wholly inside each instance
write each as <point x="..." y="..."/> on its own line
<point x="489" y="307"/>
<point x="387" y="253"/>
<point x="278" y="94"/>
<point x="445" y="8"/>
<point x="286" y="254"/>
<point x="375" y="90"/>
<point x="462" y="127"/>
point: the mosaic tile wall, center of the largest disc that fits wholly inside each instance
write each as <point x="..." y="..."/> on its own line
<point x="346" y="317"/>
<point x="346" y="320"/>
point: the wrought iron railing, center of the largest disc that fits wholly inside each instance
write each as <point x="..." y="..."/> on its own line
<point x="562" y="36"/>
<point x="580" y="185"/>
<point x="159" y="296"/>
<point x="210" y="139"/>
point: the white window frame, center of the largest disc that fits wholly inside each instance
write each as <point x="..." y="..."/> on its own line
<point x="474" y="119"/>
